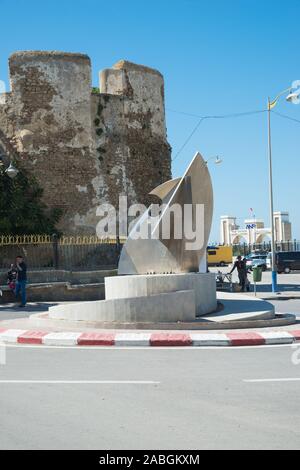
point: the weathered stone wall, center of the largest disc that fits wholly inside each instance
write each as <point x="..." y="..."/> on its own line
<point x="131" y="136"/>
<point x="83" y="148"/>
<point x="52" y="127"/>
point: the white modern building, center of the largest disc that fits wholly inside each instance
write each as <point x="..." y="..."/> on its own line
<point x="254" y="230"/>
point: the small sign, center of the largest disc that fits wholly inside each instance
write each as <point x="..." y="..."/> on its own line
<point x="250" y="226"/>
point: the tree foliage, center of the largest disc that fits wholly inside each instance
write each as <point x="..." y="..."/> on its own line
<point x="21" y="208"/>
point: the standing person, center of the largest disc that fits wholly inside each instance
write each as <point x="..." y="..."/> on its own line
<point x="242" y="272"/>
<point x="21" y="279"/>
<point x="12" y="277"/>
<point x="247" y="282"/>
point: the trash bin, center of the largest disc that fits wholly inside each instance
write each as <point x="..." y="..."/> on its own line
<point x="257" y="274"/>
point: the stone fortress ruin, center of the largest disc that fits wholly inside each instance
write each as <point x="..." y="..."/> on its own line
<point x="85" y="147"/>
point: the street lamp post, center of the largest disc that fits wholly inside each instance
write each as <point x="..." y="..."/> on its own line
<point x="293" y="97"/>
<point x="274" y="272"/>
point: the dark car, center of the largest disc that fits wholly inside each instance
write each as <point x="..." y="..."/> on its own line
<point x="287" y="261"/>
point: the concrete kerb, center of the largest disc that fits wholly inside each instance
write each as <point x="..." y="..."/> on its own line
<point x="154" y="339"/>
<point x="278" y="330"/>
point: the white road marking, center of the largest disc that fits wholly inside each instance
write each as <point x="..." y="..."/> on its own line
<point x="286" y="379"/>
<point x="82" y="382"/>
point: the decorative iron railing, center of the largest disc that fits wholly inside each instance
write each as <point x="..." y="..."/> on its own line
<point x="84" y="252"/>
<point x="12" y="240"/>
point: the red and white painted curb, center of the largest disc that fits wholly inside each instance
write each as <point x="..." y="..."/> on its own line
<point x="159" y="339"/>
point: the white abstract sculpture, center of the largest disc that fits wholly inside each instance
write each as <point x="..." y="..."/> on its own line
<point x="186" y="202"/>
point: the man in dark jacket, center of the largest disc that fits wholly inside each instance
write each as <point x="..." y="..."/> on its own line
<point x="240" y="265"/>
<point x="21" y="279"/>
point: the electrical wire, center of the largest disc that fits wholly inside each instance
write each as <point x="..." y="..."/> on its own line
<point x="222" y="116"/>
<point x="202" y="118"/>
<point x="219" y="116"/>
<point x="284" y="116"/>
<point x="188" y="139"/>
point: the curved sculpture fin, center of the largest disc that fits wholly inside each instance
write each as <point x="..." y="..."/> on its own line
<point x="165" y="189"/>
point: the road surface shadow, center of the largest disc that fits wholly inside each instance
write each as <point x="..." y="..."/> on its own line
<point x="281" y="287"/>
<point x="13" y="310"/>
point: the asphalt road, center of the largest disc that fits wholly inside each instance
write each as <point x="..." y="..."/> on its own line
<point x="175" y="398"/>
<point x="77" y="398"/>
<point x="287" y="306"/>
<point x="12" y="311"/>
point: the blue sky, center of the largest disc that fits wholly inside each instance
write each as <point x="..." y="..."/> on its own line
<point x="218" y="57"/>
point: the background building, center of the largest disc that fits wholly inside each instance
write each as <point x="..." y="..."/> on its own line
<point x="254" y="230"/>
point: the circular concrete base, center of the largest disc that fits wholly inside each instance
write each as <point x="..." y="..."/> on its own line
<point x="42" y="320"/>
<point x="235" y="311"/>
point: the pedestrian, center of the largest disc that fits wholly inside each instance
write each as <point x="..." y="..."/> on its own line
<point x="240" y="265"/>
<point x="12" y="277"/>
<point x="247" y="282"/>
<point x="21" y="279"/>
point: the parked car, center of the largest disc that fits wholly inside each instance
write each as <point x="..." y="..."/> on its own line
<point x="287" y="261"/>
<point x="257" y="259"/>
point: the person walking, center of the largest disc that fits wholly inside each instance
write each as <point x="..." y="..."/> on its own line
<point x="21" y="279"/>
<point x="241" y="268"/>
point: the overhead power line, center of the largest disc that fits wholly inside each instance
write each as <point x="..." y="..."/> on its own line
<point x="188" y="139"/>
<point x="222" y="116"/>
<point x="219" y="116"/>
<point x="202" y="118"/>
<point x="284" y="116"/>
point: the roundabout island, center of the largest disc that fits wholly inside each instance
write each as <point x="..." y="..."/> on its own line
<point x="159" y="284"/>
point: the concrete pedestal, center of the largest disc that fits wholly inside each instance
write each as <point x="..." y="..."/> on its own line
<point x="204" y="286"/>
<point x="147" y="299"/>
